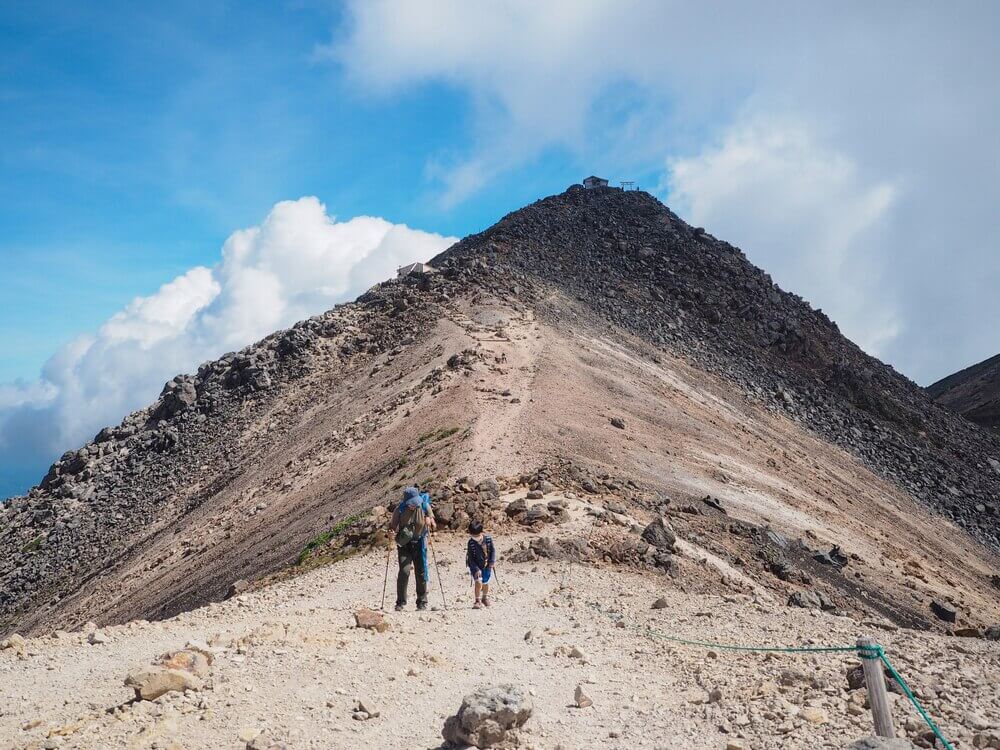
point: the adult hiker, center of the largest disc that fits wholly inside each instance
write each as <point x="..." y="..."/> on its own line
<point x="410" y="523"/>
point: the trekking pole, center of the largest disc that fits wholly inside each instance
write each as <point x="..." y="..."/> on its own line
<point x="388" y="556"/>
<point x="437" y="569"/>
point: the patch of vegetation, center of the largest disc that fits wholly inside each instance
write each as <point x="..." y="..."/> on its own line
<point x="34" y="545"/>
<point x="434" y="435"/>
<point x="323" y="539"/>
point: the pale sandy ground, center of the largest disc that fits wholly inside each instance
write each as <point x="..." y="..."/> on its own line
<point x="290" y="661"/>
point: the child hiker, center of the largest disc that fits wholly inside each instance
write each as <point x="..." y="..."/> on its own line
<point x="480" y="555"/>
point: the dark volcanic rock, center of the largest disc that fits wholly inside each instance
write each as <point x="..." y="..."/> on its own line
<point x="659" y="534"/>
<point x="973" y="392"/>
<point x="700" y="298"/>
<point x="944" y="611"/>
<point x="809" y="600"/>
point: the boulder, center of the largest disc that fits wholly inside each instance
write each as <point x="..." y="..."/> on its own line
<point x="193" y="661"/>
<point x="461" y="520"/>
<point x="178" y="395"/>
<point x="364" y="710"/>
<point x="516" y="507"/>
<point x="992" y="633"/>
<point x="15" y="643"/>
<point x="444" y="513"/>
<point x="809" y="599"/>
<point x="834" y="557"/>
<point x="237" y="587"/>
<point x="539" y="547"/>
<point x="537" y="513"/>
<point x="581" y="699"/>
<point x="150" y="683"/>
<point x="660" y="535"/>
<point x="618" y="422"/>
<point x="488" y="486"/>
<point x="881" y="743"/>
<point x="489" y="717"/>
<point x="944" y="611"/>
<point x="370" y="620"/>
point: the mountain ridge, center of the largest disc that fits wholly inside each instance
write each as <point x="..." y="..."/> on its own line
<point x="235" y="468"/>
<point x="973" y="392"/>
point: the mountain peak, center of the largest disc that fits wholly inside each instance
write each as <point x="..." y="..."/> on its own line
<point x="592" y="331"/>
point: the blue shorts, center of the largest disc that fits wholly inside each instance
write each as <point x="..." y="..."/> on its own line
<point x="477" y="572"/>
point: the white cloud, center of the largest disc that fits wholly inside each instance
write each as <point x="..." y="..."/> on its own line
<point x="895" y="99"/>
<point x="800" y="210"/>
<point x="297" y="263"/>
<point x="164" y="315"/>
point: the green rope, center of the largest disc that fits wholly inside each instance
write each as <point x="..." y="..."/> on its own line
<point x="864" y="652"/>
<point x="913" y="699"/>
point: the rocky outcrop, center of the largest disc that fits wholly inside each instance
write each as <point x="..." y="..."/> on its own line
<point x="176" y="672"/>
<point x="489" y="717"/>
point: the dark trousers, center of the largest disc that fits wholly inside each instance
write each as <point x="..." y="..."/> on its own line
<point x="412" y="555"/>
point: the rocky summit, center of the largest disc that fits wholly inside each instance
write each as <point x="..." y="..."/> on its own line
<point x="593" y="343"/>
<point x="633" y="262"/>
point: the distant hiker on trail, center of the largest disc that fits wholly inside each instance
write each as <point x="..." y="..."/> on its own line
<point x="480" y="556"/>
<point x="410" y="523"/>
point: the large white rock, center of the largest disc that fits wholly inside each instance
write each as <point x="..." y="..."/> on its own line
<point x="881" y="743"/>
<point x="489" y="717"/>
<point x="149" y="684"/>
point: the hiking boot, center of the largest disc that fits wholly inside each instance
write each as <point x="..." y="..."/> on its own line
<point x="422" y="606"/>
<point x="486" y="601"/>
<point x="477" y="605"/>
<point x="401" y="607"/>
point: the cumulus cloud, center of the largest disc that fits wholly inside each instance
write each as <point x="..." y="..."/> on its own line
<point x="890" y="170"/>
<point x="298" y="262"/>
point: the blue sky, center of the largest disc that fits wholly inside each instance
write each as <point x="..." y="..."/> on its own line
<point x="850" y="151"/>
<point x="137" y="140"/>
<point x="135" y="143"/>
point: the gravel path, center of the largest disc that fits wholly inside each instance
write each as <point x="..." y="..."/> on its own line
<point x="290" y="661"/>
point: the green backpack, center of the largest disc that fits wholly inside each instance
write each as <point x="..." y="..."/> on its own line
<point x="411" y="524"/>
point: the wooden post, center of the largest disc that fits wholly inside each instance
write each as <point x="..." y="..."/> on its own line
<point x="875" y="682"/>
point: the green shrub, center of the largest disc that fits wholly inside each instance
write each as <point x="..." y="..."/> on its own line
<point x="34" y="545"/>
<point x="323" y="539"/>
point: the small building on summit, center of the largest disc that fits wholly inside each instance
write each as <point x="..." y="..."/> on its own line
<point x="415" y="269"/>
<point x="594" y="182"/>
